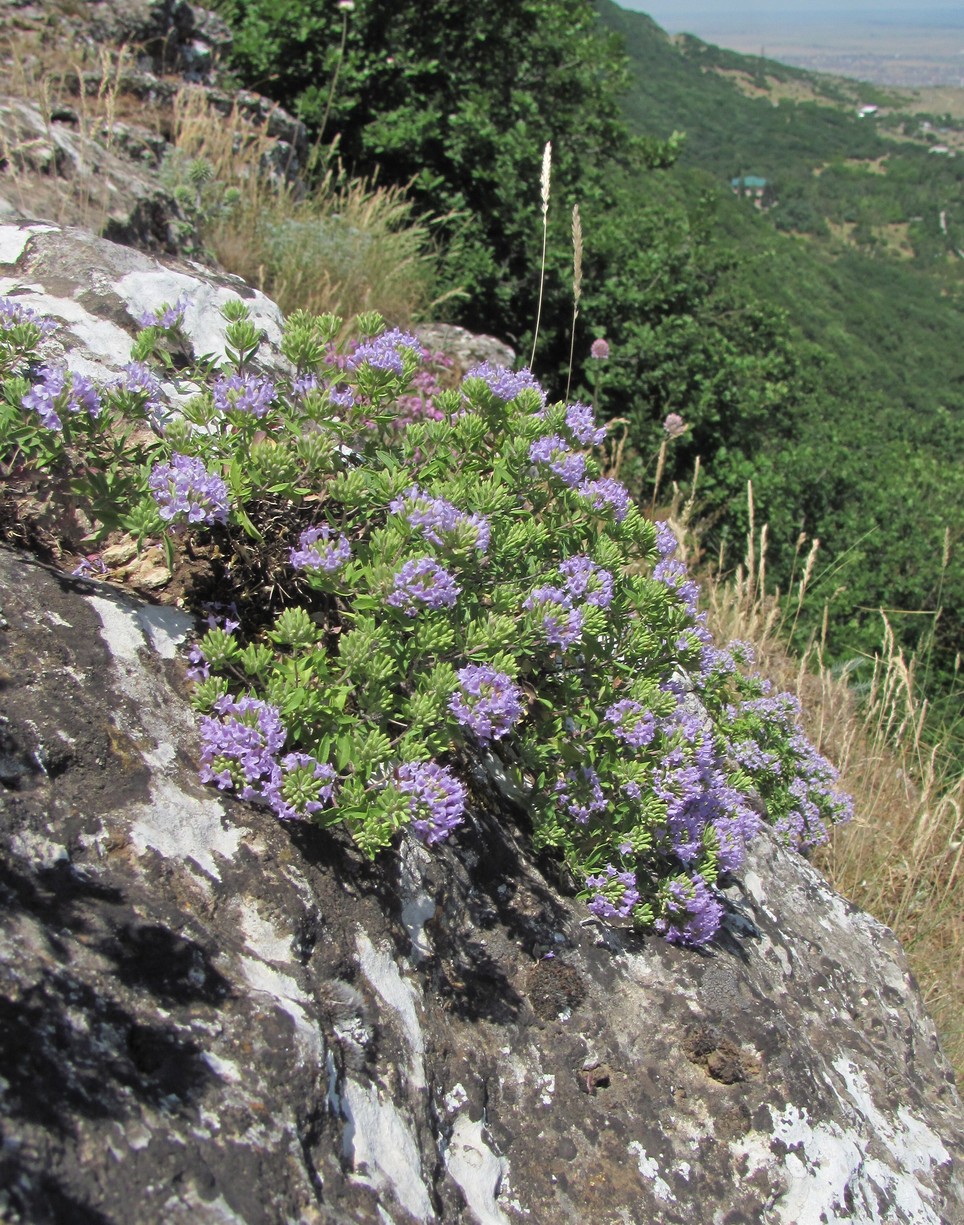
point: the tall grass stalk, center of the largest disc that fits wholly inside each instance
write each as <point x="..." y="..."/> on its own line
<point x="544" y="191"/>
<point x="576" y="288"/>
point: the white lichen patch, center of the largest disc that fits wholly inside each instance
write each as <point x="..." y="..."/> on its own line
<point x="183" y="827"/>
<point x="834" y="1175"/>
<point x="649" y="1169"/>
<point x="165" y="628"/>
<point x="418" y="906"/>
<point x="261" y="937"/>
<point x="545" y="1087"/>
<point x="37" y="849"/>
<point x="382" y="1149"/>
<point x="477" y="1170"/>
<point x="14" y="239"/>
<point x="456" y="1098"/>
<point x="289" y="998"/>
<point x="380" y="969"/>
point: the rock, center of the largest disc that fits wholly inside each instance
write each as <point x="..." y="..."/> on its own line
<point x="218" y="1018"/>
<point x="465" y="349"/>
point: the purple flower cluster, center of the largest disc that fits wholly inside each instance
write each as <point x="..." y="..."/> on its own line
<point x="616" y="893"/>
<point x="692" y="783"/>
<point x="506" y="384"/>
<point x="438" y="520"/>
<point x="580" y="794"/>
<point x="586" y="581"/>
<point x="607" y="494"/>
<point x="693" y="914"/>
<point x="599" y="349"/>
<point x="299" y="786"/>
<point x="631" y="723"/>
<point x="436" y="799"/>
<point x="58" y="392"/>
<point x="554" y="452"/>
<point x="561" y="623"/>
<point x="487" y="702"/>
<point x="238" y="749"/>
<point x="673" y="574"/>
<point x="329" y="556"/>
<point x="581" y="423"/>
<point x="13" y="313"/>
<point x="583" y="582"/>
<point x="419" y="404"/>
<point x="423" y="583"/>
<point x="165" y="316"/>
<point x="243" y="393"/>
<point x="382" y="353"/>
<point x="185" y="488"/>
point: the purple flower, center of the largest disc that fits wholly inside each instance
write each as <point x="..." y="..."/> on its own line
<point x="299" y="786"/>
<point x="239" y="747"/>
<point x="185" y="488"/>
<point x="423" y="583"/>
<point x="560" y="458"/>
<point x="580" y="794"/>
<point x="586" y="581"/>
<point x="341" y="397"/>
<point x="631" y="723"/>
<point x="243" y="393"/>
<point x="506" y="384"/>
<point x="165" y="316"/>
<point x="382" y="353"/>
<point x="488" y="703"/>
<point x="438" y="520"/>
<point x="581" y="423"/>
<point x="59" y="391"/>
<point x="607" y="494"/>
<point x="693" y="914"/>
<point x="328" y="556"/>
<point x="304" y="384"/>
<point x="599" y="349"/>
<point x="561" y="623"/>
<point x="436" y="799"/>
<point x="13" y="313"/>
<point x="616" y="893"/>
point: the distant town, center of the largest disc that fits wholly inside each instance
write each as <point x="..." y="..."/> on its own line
<point x="892" y="69"/>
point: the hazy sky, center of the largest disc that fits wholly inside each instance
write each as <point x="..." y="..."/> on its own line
<point x="692" y="15"/>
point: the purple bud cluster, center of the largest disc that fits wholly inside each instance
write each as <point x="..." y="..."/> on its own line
<point x="673" y="574"/>
<point x="422" y="583"/>
<point x="607" y="494"/>
<point x="13" y="313"/>
<point x="438" y="520"/>
<point x="586" y="581"/>
<point x="243" y="393"/>
<point x="436" y="799"/>
<point x="382" y="353"/>
<point x="487" y="702"/>
<point x="60" y="391"/>
<point x="693" y="914"/>
<point x="506" y="384"/>
<point x="419" y="403"/>
<point x="554" y="452"/>
<point x="184" y="488"/>
<point x="616" y="893"/>
<point x="329" y="556"/>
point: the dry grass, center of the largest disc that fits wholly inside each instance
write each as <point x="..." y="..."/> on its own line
<point x="901" y="857"/>
<point x="348" y="245"/>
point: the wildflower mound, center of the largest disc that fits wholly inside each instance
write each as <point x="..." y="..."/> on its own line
<point x="374" y="927"/>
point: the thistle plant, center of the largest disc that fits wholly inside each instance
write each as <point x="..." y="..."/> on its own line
<point x="408" y="590"/>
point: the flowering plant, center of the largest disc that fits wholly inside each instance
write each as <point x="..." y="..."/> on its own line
<point x="410" y="587"/>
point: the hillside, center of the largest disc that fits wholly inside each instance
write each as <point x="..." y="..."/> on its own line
<point x="855" y="241"/>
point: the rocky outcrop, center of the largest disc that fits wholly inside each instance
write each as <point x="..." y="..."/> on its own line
<point x="209" y="1016"/>
<point x="86" y="115"/>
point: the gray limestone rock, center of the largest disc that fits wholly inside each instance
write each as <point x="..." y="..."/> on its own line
<point x="208" y="1016"/>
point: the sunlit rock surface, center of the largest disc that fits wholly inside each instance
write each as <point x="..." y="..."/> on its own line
<point x="207" y="1016"/>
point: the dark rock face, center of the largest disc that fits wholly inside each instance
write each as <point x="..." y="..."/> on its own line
<point x="210" y="1017"/>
